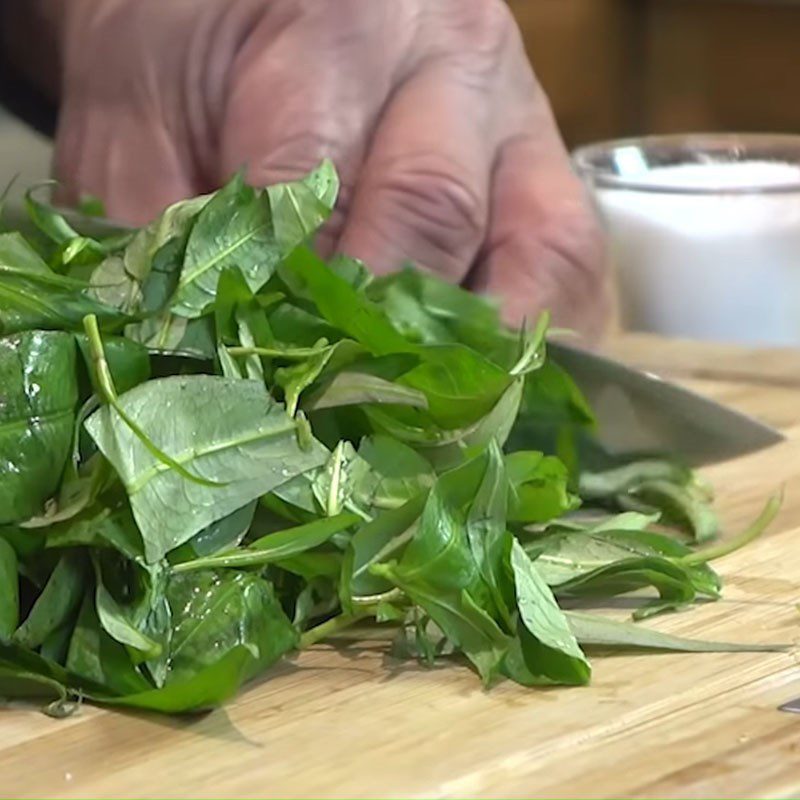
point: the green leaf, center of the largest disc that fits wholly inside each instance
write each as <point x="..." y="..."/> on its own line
<point x="17" y="255"/>
<point x="487" y="535"/>
<point x="553" y="416"/>
<point x="250" y="230"/>
<point x="47" y="219"/>
<point x="398" y="472"/>
<point x="57" y="603"/>
<point x="38" y="395"/>
<point x="30" y="300"/>
<point x="342" y="306"/>
<point x="298" y="377"/>
<point x="604" y="555"/>
<point x="313" y="565"/>
<point x="447" y="449"/>
<point x="438" y="572"/>
<point x="682" y="505"/>
<point x="26" y="544"/>
<point x="204" y="689"/>
<point x="299" y="326"/>
<point x="167" y="333"/>
<point x="217" y="612"/>
<point x="595" y="630"/>
<point x="460" y="385"/>
<point x="20" y="658"/>
<point x="128" y="360"/>
<point x="221" y="429"/>
<point x="301" y="207"/>
<point x="144" y="276"/>
<point x="275" y="546"/>
<point x="218" y="537"/>
<point x="551" y="652"/>
<point x="95" y="657"/>
<point x="432" y="311"/>
<point x="233" y="230"/>
<point x="9" y="591"/>
<point x="465" y="623"/>
<point x="673" y="583"/>
<point x="335" y="484"/>
<point x="358" y="389"/>
<point x="655" y="486"/>
<point x="91" y="206"/>
<point x="15" y="682"/>
<point x="117" y="622"/>
<point x="100" y="527"/>
<point x="297" y="493"/>
<point x="628" y="477"/>
<point x="354" y="271"/>
<point x="381" y="539"/>
<point x="538" y="487"/>
<point x="56" y="645"/>
<point x="237" y="305"/>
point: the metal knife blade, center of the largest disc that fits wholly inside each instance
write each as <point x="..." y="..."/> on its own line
<point x="639" y="412"/>
<point x="792" y="707"/>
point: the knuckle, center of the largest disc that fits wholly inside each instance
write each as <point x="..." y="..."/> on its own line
<point x="488" y="24"/>
<point x="432" y="196"/>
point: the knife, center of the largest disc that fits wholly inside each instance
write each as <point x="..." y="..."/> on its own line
<point x="638" y="412"/>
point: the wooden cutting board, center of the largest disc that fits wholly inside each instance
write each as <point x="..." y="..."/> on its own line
<point x="346" y="722"/>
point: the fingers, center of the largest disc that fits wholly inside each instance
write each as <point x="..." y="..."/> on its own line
<point x="544" y="248"/>
<point x="126" y="159"/>
<point x="301" y="92"/>
<point x="422" y="194"/>
<point x="123" y="134"/>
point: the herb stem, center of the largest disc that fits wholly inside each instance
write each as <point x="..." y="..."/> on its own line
<point x="336" y="476"/>
<point x="295" y="354"/>
<point x="370" y="600"/>
<point x="329" y="628"/>
<point x="105" y="383"/>
<point x="751" y="533"/>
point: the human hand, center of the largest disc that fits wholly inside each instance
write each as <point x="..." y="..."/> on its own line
<point x="446" y="145"/>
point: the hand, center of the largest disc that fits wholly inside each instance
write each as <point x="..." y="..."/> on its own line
<point x="446" y="145"/>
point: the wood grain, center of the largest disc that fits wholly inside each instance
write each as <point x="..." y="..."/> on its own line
<point x="344" y="721"/>
<point x="712" y="361"/>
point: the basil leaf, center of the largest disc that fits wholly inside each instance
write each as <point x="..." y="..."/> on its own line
<point x="58" y="601"/>
<point x="216" y="612"/>
<point x="9" y="590"/>
<point x="38" y="395"/>
<point x="225" y="431"/>
<point x="254" y="231"/>
<point x="95" y="657"/>
<point x="275" y="546"/>
<point x="595" y="630"/>
<point x="549" y="650"/>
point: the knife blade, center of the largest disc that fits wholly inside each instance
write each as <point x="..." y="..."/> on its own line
<point x="640" y="412"/>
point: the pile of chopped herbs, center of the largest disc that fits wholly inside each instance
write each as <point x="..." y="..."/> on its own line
<point x="217" y="449"/>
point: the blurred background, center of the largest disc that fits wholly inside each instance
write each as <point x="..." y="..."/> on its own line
<point x="629" y="67"/>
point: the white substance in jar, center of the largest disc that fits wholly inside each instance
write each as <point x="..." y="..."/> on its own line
<point x="709" y="266"/>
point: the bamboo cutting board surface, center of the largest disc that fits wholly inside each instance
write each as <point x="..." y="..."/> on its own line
<point x="346" y="722"/>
